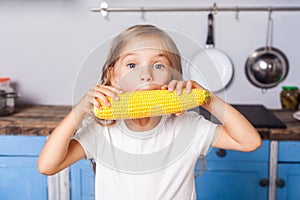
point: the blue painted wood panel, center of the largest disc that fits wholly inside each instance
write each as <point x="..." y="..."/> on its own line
<point x="232" y="180"/>
<point x="20" y="178"/>
<point x="290" y="174"/>
<point x="289" y="151"/>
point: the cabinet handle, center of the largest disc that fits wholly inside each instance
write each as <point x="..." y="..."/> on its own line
<point x="221" y="153"/>
<point x="280" y="183"/>
<point x="263" y="182"/>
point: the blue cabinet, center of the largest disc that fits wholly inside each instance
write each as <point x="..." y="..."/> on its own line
<point x="234" y="175"/>
<point x="288" y="176"/>
<point x="20" y="178"/>
<point x="228" y="174"/>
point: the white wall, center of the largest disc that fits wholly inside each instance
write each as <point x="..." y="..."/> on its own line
<point x="44" y="44"/>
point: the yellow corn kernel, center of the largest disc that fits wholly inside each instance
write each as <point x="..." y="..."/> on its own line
<point x="150" y="103"/>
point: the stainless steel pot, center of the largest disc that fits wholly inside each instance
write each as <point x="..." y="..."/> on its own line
<point x="267" y="66"/>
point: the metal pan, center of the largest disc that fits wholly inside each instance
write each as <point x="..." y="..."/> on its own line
<point x="267" y="66"/>
<point x="211" y="67"/>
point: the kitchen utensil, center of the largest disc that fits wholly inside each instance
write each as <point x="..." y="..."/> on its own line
<point x="211" y="67"/>
<point x="267" y="66"/>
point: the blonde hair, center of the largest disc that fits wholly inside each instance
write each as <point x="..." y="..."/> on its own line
<point x="131" y="34"/>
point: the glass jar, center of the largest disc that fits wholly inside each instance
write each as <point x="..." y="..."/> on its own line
<point x="289" y="97"/>
<point x="7" y="97"/>
<point x="2" y="100"/>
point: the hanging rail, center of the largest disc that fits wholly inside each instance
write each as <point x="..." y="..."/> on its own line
<point x="105" y="9"/>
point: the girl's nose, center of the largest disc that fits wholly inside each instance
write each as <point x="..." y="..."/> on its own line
<point x="146" y="77"/>
<point x="145" y="74"/>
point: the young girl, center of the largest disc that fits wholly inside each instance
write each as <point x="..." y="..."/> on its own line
<point x="148" y="158"/>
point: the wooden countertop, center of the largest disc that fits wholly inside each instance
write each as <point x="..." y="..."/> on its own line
<point x="41" y="120"/>
<point x="33" y="120"/>
<point x="292" y="132"/>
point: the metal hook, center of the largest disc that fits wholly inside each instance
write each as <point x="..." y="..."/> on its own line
<point x="214" y="9"/>
<point x="103" y="9"/>
<point x="270" y="13"/>
<point x="237" y="13"/>
<point x="143" y="13"/>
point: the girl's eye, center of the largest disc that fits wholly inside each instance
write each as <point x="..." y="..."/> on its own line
<point x="131" y="65"/>
<point x="158" y="66"/>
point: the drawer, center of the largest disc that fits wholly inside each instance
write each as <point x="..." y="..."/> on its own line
<point x="259" y="155"/>
<point x="289" y="151"/>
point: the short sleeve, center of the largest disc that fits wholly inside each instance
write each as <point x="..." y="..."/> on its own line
<point x="87" y="136"/>
<point x="205" y="131"/>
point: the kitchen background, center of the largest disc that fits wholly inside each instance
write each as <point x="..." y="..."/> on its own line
<point x="43" y="44"/>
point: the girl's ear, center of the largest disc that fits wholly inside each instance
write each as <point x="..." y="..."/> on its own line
<point x="112" y="76"/>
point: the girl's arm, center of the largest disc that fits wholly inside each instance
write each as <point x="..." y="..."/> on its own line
<point x="60" y="151"/>
<point x="236" y="132"/>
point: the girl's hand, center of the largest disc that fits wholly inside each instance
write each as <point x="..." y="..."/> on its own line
<point x="178" y="86"/>
<point x="100" y="92"/>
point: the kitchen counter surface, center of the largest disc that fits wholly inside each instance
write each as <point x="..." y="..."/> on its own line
<point x="41" y="120"/>
<point x="33" y="120"/>
<point x="292" y="132"/>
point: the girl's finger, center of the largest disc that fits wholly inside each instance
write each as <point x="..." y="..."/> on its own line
<point x="98" y="93"/>
<point x="179" y="114"/>
<point x="107" y="91"/>
<point x="189" y="86"/>
<point x="196" y="85"/>
<point x="180" y="85"/>
<point x="114" y="89"/>
<point x="103" y="99"/>
<point x="172" y="85"/>
<point x="96" y="103"/>
<point x="164" y="87"/>
<point x="103" y="91"/>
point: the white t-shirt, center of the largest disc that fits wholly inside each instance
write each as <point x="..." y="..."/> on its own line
<point x="155" y="164"/>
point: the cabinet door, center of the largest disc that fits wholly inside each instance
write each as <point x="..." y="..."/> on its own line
<point x="288" y="175"/>
<point x="234" y="175"/>
<point x="20" y="178"/>
<point x="232" y="180"/>
<point x="288" y="181"/>
<point x="82" y="181"/>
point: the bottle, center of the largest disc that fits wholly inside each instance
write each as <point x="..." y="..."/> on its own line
<point x="289" y="97"/>
<point x="7" y="97"/>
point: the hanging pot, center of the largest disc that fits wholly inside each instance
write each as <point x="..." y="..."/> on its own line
<point x="267" y="66"/>
<point x="211" y="67"/>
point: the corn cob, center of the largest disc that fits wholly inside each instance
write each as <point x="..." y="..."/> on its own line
<point x="150" y="103"/>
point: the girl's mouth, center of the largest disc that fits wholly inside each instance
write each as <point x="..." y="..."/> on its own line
<point x="148" y="86"/>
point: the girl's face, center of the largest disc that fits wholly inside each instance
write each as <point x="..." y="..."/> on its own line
<point x="142" y="65"/>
